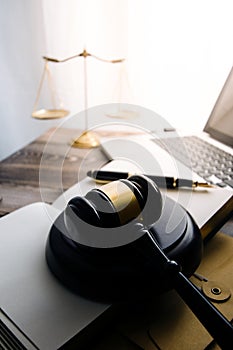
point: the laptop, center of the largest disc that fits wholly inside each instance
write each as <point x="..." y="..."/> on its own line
<point x="206" y="156"/>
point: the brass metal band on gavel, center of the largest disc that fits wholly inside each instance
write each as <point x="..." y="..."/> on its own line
<point x="123" y="200"/>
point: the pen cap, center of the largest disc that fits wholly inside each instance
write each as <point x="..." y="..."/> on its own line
<point x="112" y="207"/>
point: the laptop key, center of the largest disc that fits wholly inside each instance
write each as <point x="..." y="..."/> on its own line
<point x="213" y="179"/>
<point x="229" y="182"/>
<point x="223" y="177"/>
<point x="221" y="184"/>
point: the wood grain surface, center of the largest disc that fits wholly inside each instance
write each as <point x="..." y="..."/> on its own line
<point x="44" y="169"/>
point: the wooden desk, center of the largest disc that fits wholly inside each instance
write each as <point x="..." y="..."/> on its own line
<point x="51" y="156"/>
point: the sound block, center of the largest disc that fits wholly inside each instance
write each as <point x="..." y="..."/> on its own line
<point x="127" y="272"/>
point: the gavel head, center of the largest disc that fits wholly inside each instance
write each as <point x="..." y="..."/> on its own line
<point x="115" y="205"/>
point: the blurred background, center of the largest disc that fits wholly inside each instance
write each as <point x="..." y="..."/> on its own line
<point x="178" y="55"/>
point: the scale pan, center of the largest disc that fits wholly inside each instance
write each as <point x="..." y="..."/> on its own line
<point x="50" y="113"/>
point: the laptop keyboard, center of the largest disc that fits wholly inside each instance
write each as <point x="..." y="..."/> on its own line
<point x="208" y="161"/>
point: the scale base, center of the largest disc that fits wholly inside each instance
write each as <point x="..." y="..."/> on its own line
<point x="125" y="272"/>
<point x="87" y="139"/>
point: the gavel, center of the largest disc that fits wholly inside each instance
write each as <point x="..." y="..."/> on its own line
<point x="112" y="244"/>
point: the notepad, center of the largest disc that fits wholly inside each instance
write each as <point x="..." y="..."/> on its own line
<point x="35" y="308"/>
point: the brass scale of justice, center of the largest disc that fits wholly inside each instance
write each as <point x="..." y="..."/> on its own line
<point x="87" y="139"/>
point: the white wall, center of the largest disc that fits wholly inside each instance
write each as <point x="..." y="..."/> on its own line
<point x="178" y="56"/>
<point x="180" y="53"/>
<point x="22" y="43"/>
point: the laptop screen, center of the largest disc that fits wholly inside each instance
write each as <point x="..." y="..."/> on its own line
<point x="220" y="122"/>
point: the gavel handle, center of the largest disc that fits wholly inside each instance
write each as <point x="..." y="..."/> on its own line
<point x="213" y="320"/>
<point x="215" y="323"/>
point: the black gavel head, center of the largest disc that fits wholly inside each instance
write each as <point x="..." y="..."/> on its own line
<point x="114" y="205"/>
<point x="98" y="246"/>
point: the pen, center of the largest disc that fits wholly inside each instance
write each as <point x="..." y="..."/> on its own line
<point x="103" y="176"/>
